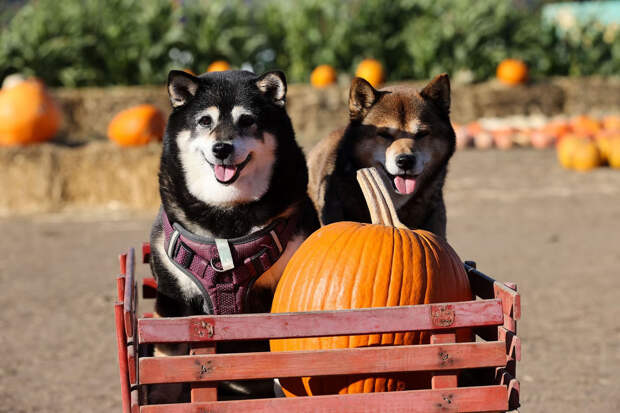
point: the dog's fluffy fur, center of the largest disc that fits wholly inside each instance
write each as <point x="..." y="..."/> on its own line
<point x="399" y="130"/>
<point x="261" y="176"/>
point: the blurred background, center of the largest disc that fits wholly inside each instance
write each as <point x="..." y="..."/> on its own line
<point x="533" y="192"/>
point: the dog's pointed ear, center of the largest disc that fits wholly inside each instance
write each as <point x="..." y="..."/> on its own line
<point x="273" y="86"/>
<point x="438" y="92"/>
<point x="181" y="87"/>
<point x="361" y="98"/>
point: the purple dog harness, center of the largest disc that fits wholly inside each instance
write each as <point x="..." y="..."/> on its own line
<point x="225" y="269"/>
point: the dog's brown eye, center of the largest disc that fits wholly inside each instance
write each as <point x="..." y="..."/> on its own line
<point x="245" y="121"/>
<point x="205" y="121"/>
<point x="421" y="134"/>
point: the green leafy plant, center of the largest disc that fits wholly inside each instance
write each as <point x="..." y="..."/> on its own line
<point x="91" y="42"/>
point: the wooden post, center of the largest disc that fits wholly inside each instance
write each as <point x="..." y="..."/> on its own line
<point x="443" y="380"/>
<point x="203" y="392"/>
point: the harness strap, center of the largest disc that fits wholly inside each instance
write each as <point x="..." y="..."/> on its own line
<point x="225" y="269"/>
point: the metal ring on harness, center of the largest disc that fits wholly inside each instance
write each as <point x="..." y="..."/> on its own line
<point x="214" y="267"/>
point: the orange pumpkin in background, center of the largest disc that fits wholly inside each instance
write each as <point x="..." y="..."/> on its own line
<point x="611" y="123"/>
<point x="349" y="265"/>
<point x="512" y="72"/>
<point x="587" y="156"/>
<point x="372" y="71"/>
<point x="585" y="125"/>
<point x="567" y="148"/>
<point x="322" y="76"/>
<point x="28" y="113"/>
<point x="613" y="153"/>
<point x="218" y="66"/>
<point x="137" y="126"/>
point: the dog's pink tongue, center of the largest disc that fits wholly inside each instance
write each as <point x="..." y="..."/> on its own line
<point x="225" y="173"/>
<point x="404" y="185"/>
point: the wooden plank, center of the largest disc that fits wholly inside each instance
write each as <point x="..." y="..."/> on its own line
<point x="121" y="344"/>
<point x="318" y="323"/>
<point x="443" y="380"/>
<point x="131" y="364"/>
<point x="513" y="343"/>
<point x="135" y="405"/>
<point x="129" y="293"/>
<point x="120" y="288"/>
<point x="146" y="252"/>
<point x="203" y="392"/>
<point x="238" y="366"/>
<point x="465" y="399"/>
<point x="122" y="260"/>
<point x="486" y="287"/>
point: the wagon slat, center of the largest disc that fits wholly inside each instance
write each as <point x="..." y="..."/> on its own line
<point x="129" y="293"/>
<point x="121" y="344"/>
<point x="315" y="324"/>
<point x="486" y="287"/>
<point x="442" y="380"/>
<point x="464" y="399"/>
<point x="238" y="366"/>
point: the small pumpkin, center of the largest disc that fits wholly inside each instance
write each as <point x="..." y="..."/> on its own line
<point x="557" y="129"/>
<point x="28" y="113"/>
<point x="613" y="154"/>
<point x="566" y="149"/>
<point x="512" y="72"/>
<point x="322" y="76"/>
<point x="611" y="123"/>
<point x="541" y="140"/>
<point x="349" y="265"/>
<point x="483" y="140"/>
<point x="218" y="66"/>
<point x="137" y="126"/>
<point x="585" y="125"/>
<point x="372" y="71"/>
<point x="587" y="156"/>
<point x="504" y="137"/>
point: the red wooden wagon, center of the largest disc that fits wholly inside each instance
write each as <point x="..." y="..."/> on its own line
<point x="492" y="358"/>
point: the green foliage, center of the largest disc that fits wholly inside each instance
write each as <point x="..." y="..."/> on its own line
<point x="91" y="42"/>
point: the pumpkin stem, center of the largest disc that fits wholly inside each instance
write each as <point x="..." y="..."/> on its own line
<point x="379" y="198"/>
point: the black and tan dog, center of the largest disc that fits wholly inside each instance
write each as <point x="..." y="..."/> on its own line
<point x="404" y="133"/>
<point x="233" y="184"/>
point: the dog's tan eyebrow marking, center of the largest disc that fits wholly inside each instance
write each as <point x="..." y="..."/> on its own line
<point x="413" y="126"/>
<point x="212" y="111"/>
<point x="238" y="111"/>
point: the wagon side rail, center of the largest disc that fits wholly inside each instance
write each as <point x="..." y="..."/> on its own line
<point x="443" y="357"/>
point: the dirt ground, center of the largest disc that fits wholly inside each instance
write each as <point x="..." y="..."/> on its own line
<point x="555" y="233"/>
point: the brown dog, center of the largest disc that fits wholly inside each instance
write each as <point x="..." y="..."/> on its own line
<point x="404" y="133"/>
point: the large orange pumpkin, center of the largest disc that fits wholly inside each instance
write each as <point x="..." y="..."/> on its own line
<point x="512" y="72"/>
<point x="28" y="114"/>
<point x="372" y="71"/>
<point x="137" y="126"/>
<point x="349" y="265"/>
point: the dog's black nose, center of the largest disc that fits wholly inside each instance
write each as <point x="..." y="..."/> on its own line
<point x="405" y="161"/>
<point x="222" y="150"/>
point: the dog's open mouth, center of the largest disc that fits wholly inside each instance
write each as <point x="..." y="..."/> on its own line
<point x="228" y="174"/>
<point x="403" y="184"/>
